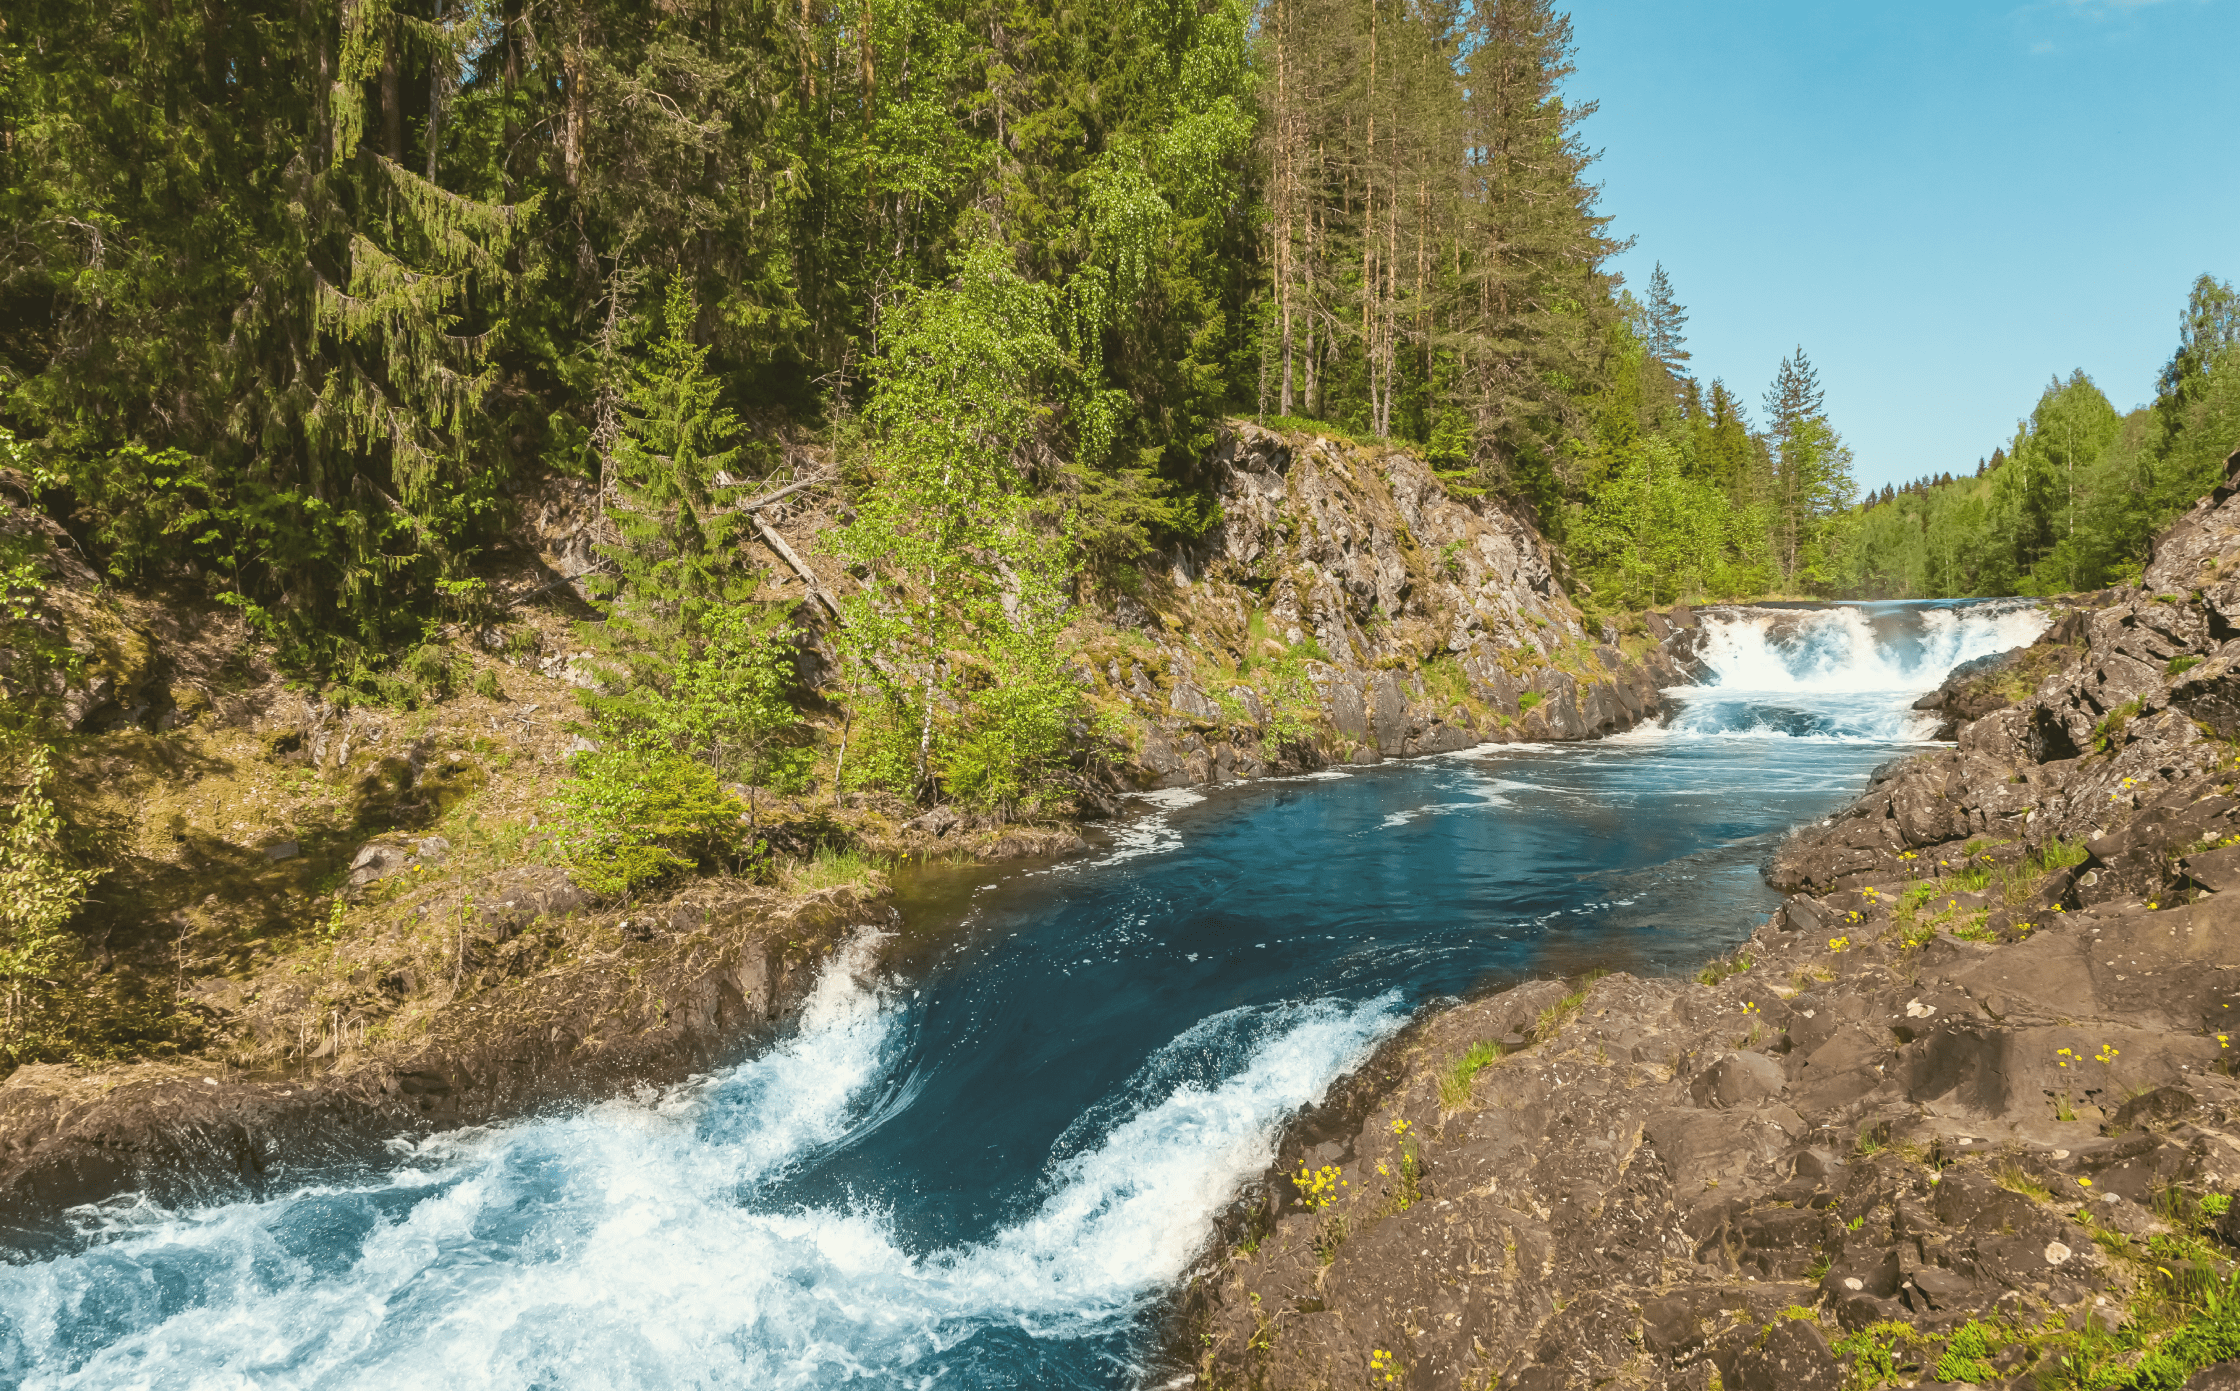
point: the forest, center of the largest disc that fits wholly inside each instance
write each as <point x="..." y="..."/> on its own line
<point x="296" y="298"/>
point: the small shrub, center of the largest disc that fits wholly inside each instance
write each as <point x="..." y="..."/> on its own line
<point x="40" y="890"/>
<point x="1329" y="1237"/>
<point x="634" y="813"/>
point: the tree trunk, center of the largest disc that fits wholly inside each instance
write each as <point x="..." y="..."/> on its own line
<point x="392" y="101"/>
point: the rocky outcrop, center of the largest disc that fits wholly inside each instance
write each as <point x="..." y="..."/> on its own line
<point x="1964" y="1108"/>
<point x="1347" y="608"/>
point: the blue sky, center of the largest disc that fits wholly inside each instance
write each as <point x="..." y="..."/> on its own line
<point x="1946" y="204"/>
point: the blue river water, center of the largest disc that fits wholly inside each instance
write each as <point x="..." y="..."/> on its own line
<point x="982" y="1163"/>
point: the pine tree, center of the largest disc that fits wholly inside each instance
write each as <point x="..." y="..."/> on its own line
<point x="1667" y="344"/>
<point x="673" y="553"/>
<point x="1532" y="297"/>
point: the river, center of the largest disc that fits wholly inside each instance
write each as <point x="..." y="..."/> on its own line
<point x="985" y="1163"/>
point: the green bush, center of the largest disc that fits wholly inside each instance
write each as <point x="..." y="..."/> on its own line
<point x="40" y="890"/>
<point x="634" y="813"/>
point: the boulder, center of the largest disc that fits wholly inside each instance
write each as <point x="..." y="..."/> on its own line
<point x="1738" y="1079"/>
<point x="2209" y="695"/>
<point x="376" y="861"/>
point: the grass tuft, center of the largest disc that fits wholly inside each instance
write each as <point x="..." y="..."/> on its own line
<point x="1454" y="1087"/>
<point x="830" y="868"/>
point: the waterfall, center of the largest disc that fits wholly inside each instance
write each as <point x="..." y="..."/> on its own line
<point x="1847" y="672"/>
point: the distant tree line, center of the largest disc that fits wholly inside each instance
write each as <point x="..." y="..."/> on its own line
<point x="2072" y="501"/>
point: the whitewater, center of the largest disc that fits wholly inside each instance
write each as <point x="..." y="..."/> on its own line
<point x="992" y="1173"/>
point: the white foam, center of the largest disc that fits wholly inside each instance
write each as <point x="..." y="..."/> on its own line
<point x="624" y="1246"/>
<point x="1151" y="834"/>
<point x="1488" y="791"/>
<point x="1828" y="675"/>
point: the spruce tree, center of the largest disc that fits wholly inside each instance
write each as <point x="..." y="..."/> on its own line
<point x="1667" y="343"/>
<point x="672" y="553"/>
<point x="1811" y="469"/>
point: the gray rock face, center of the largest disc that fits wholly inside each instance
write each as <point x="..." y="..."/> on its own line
<point x="1436" y="624"/>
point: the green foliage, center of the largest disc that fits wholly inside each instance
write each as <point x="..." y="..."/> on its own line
<point x="727" y="704"/>
<point x="651" y="803"/>
<point x="635" y="813"/>
<point x="1655" y="529"/>
<point x="40" y="890"/>
<point x="952" y="642"/>
<point x="1968" y="1352"/>
<point x="1878" y="1352"/>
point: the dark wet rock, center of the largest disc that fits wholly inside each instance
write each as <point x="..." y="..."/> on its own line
<point x="2210" y="695"/>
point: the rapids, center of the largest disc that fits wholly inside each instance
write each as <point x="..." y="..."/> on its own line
<point x="986" y="1165"/>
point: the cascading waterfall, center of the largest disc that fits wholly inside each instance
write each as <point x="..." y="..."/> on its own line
<point x="1848" y="673"/>
<point x="989" y="1176"/>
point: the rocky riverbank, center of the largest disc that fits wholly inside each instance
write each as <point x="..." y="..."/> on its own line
<point x="1962" y="1113"/>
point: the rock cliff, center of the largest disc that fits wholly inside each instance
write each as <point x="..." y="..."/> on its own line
<point x="1348" y="608"/>
<point x="1962" y="1113"/>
